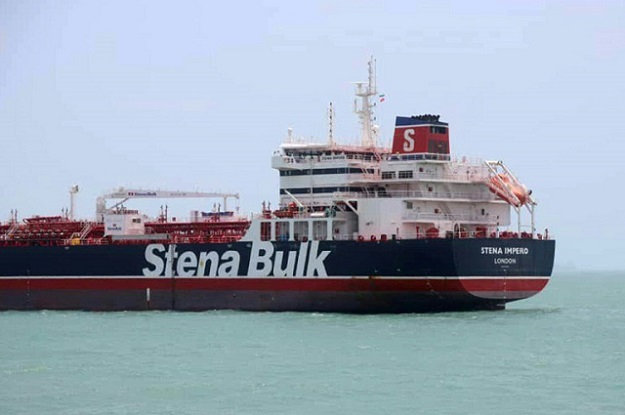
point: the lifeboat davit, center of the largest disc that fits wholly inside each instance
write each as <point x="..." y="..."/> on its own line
<point x="502" y="185"/>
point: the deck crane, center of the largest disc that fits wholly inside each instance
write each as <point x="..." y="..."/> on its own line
<point x="127" y="194"/>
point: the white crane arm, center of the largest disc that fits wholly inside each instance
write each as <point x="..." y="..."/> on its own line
<point x="126" y="194"/>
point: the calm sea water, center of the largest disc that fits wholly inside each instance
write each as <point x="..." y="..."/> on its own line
<point x="562" y="352"/>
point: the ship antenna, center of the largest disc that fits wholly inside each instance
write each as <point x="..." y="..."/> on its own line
<point x="331" y="114"/>
<point x="365" y="112"/>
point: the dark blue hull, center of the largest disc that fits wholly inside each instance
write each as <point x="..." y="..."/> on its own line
<point x="329" y="276"/>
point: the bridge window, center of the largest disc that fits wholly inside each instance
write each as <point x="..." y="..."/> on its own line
<point x="315" y="172"/>
<point x="405" y="174"/>
<point x="386" y="175"/>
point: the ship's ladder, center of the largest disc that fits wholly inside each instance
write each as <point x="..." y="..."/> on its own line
<point x="367" y="169"/>
<point x="85" y="231"/>
<point x="12" y="229"/>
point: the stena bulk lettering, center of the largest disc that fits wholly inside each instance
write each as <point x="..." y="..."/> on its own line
<point x="307" y="261"/>
<point x="264" y="261"/>
<point x="164" y="261"/>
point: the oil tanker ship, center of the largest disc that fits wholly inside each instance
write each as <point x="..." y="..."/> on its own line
<point x="359" y="229"/>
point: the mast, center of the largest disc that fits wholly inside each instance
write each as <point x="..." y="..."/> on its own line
<point x="365" y="112"/>
<point x="331" y="114"/>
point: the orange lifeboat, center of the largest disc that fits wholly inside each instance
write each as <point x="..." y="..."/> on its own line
<point x="283" y="213"/>
<point x="287" y="212"/>
<point x="502" y="184"/>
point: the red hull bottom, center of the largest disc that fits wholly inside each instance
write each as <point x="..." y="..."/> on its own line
<point x="348" y="295"/>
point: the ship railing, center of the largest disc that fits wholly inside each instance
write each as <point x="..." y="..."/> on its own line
<point x="417" y="194"/>
<point x="181" y="239"/>
<point x="343" y="237"/>
<point x="316" y="215"/>
<point x="458" y="218"/>
<point x="462" y="161"/>
<point x="466" y="176"/>
<point x="338" y="158"/>
<point x="484" y="195"/>
<point x="461" y="234"/>
<point x="455" y="176"/>
<point x="74" y="241"/>
<point x="376" y="158"/>
<point x="176" y="239"/>
<point x="347" y="195"/>
<point x="216" y="218"/>
<point x="417" y="157"/>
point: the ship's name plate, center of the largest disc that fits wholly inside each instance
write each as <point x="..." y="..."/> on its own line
<point x="507" y="250"/>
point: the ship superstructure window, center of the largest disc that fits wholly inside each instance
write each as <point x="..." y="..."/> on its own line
<point x="295" y="172"/>
<point x="405" y="174"/>
<point x="315" y="190"/>
<point x="321" y="155"/>
<point x="341" y="170"/>
<point x="388" y="175"/>
<point x="296" y="191"/>
<point x="442" y="156"/>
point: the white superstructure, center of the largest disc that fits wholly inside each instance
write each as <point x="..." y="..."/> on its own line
<point x="412" y="190"/>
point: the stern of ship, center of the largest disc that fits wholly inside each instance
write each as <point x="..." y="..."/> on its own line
<point x="501" y="269"/>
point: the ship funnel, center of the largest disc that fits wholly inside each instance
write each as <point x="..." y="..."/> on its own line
<point x="421" y="134"/>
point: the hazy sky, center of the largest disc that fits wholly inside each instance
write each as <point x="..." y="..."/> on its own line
<point x="197" y="94"/>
